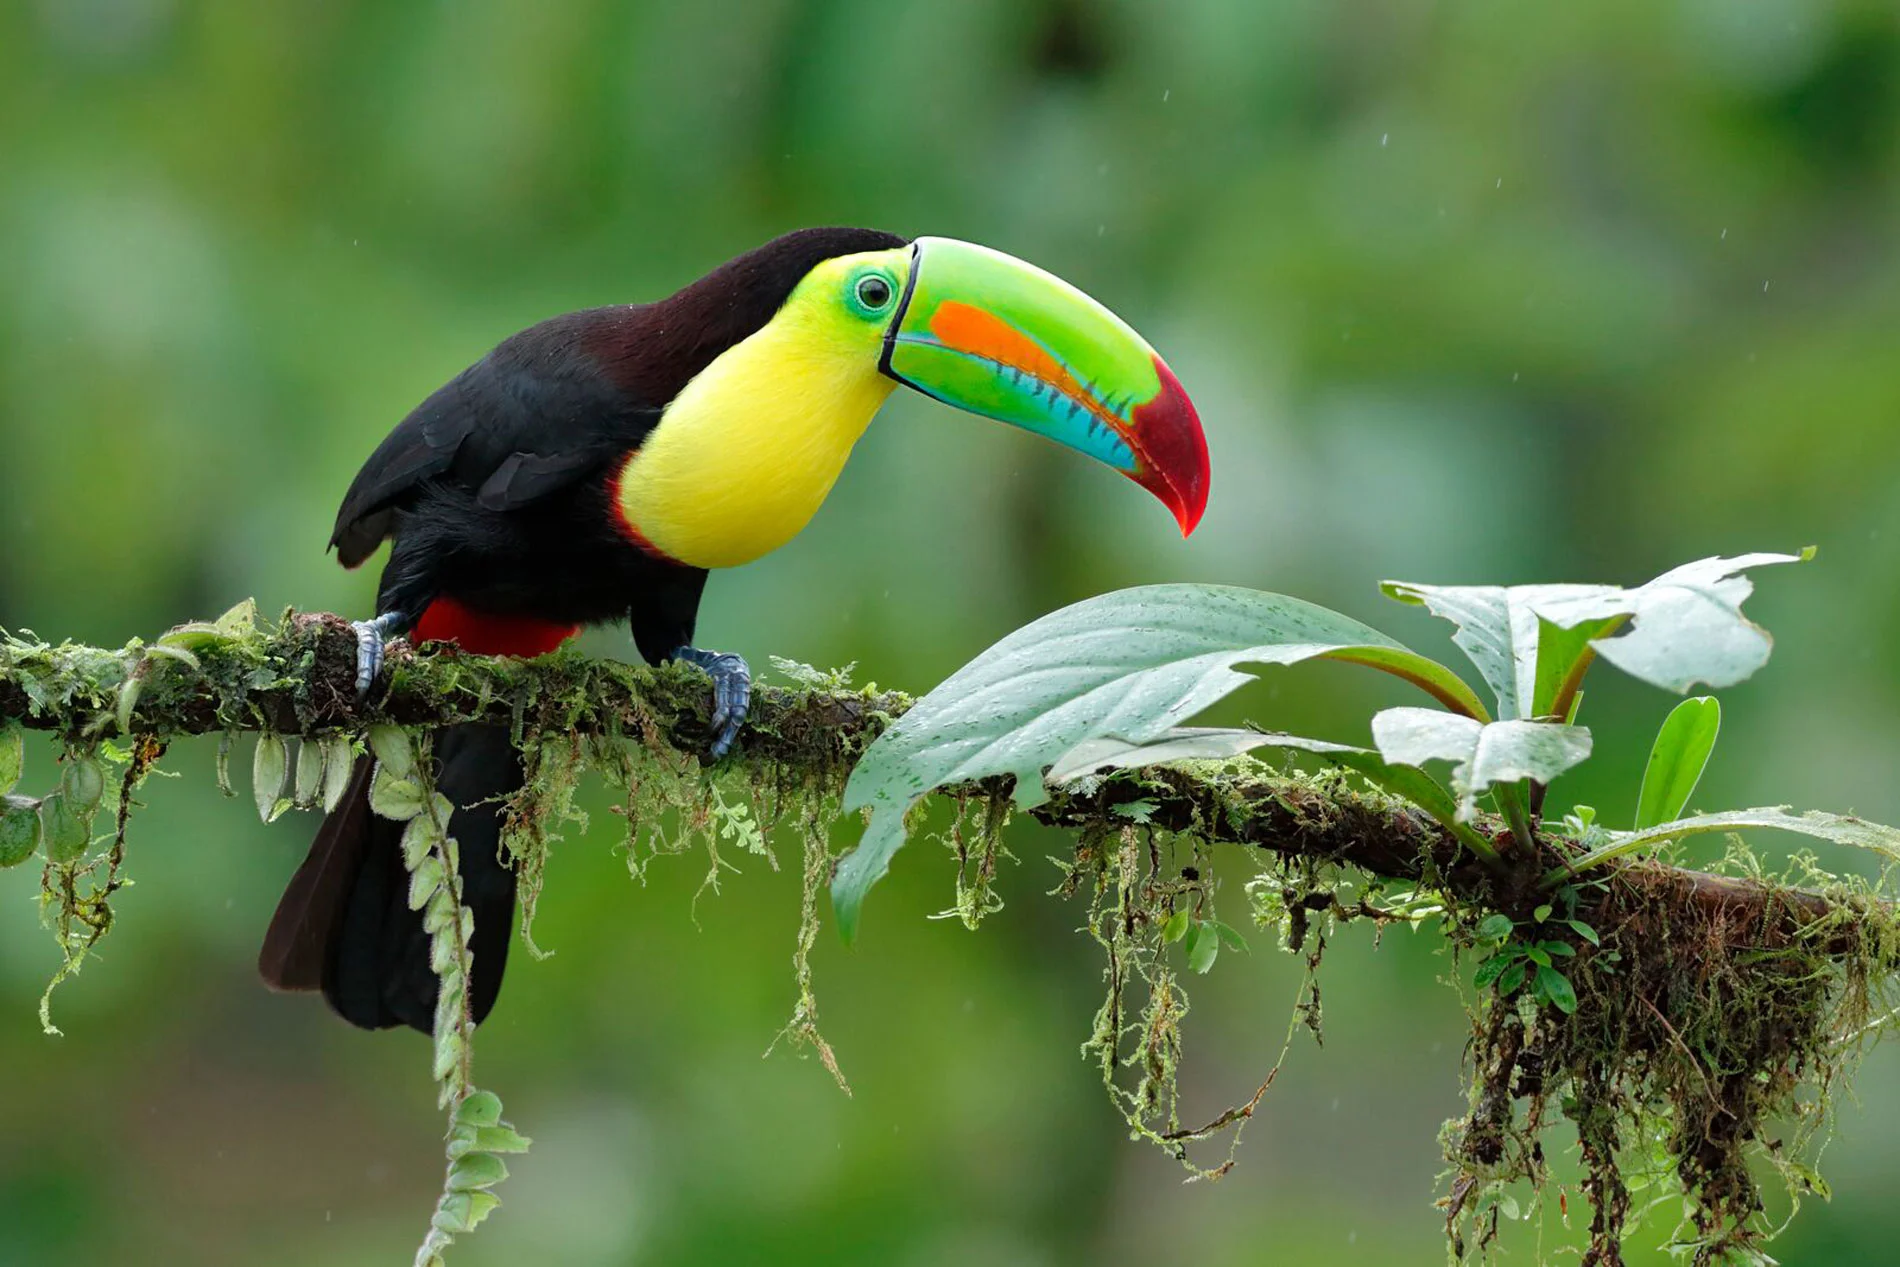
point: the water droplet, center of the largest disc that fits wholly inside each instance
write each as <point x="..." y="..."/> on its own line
<point x="1383" y="138"/>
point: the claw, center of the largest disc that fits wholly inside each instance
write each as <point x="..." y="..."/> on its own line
<point x="732" y="692"/>
<point x="370" y="636"/>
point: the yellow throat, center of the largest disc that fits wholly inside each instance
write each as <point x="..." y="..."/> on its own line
<point x="745" y="454"/>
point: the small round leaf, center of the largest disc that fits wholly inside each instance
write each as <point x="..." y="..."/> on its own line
<point x="19" y="830"/>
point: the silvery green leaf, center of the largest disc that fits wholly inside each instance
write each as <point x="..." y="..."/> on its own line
<point x="310" y="763"/>
<point x="1497" y="628"/>
<point x="418" y="838"/>
<point x="1127" y="666"/>
<point x="394" y="749"/>
<point x="1481" y="754"/>
<point x="1686" y="626"/>
<point x="268" y="768"/>
<point x="339" y="763"/>
<point x="394" y="797"/>
<point x="424" y="881"/>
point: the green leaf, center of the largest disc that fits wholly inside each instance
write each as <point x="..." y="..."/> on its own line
<point x="1584" y="931"/>
<point x="1176" y="927"/>
<point x="240" y="620"/>
<point x="19" y="829"/>
<point x="1677" y="759"/>
<point x="500" y="1139"/>
<point x="1512" y="976"/>
<point x="1140" y="810"/>
<point x="339" y="763"/>
<point x="1481" y="755"/>
<point x="1542" y="913"/>
<point x="425" y="881"/>
<point x="1558" y="949"/>
<point x="473" y="1171"/>
<point x="393" y="797"/>
<point x="479" y="1108"/>
<point x="1227" y="934"/>
<point x="309" y="783"/>
<point x="1126" y="666"/>
<point x="1537" y="956"/>
<point x="1490" y="970"/>
<point x="83" y="781"/>
<point x="1202" y="946"/>
<point x="463" y="1211"/>
<point x="1561" y="662"/>
<point x="393" y="748"/>
<point x="179" y="640"/>
<point x="1495" y="927"/>
<point x="66" y="830"/>
<point x="418" y="838"/>
<point x="268" y="767"/>
<point x="1555" y="986"/>
<point x="1840" y="829"/>
<point x="12" y="757"/>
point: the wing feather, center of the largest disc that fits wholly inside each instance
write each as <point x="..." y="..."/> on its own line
<point x="534" y="417"/>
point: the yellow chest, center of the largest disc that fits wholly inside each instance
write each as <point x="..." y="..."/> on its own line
<point x="744" y="456"/>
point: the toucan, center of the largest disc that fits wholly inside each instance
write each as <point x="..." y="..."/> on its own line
<point x="594" y="467"/>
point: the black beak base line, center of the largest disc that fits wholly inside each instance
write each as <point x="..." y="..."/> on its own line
<point x="897" y="318"/>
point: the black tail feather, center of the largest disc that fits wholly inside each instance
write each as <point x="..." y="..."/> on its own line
<point x="344" y="925"/>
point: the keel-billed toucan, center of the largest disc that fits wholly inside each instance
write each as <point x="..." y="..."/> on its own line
<point x="594" y="466"/>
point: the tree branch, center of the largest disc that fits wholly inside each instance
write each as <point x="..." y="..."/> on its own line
<point x="300" y="679"/>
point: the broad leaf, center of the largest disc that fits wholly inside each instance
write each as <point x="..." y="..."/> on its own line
<point x="1528" y="640"/>
<point x="1677" y="759"/>
<point x="1498" y="630"/>
<point x="1840" y="829"/>
<point x="1129" y="666"/>
<point x="1481" y="755"/>
<point x="1686" y="625"/>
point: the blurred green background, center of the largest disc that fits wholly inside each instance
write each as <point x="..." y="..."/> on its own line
<point x="1465" y="292"/>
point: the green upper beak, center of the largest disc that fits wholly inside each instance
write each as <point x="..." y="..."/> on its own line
<point x="986" y="332"/>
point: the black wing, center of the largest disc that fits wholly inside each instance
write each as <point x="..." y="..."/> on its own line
<point x="533" y="417"/>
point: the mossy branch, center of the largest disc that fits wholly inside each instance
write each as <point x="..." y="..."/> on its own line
<point x="298" y="679"/>
<point x="1697" y="1008"/>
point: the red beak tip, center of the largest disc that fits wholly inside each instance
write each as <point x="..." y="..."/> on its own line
<point x="1176" y="450"/>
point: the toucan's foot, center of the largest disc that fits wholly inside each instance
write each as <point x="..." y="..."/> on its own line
<point x="370" y="636"/>
<point x="732" y="692"/>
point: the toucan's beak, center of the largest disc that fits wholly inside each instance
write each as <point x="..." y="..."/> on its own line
<point x="988" y="333"/>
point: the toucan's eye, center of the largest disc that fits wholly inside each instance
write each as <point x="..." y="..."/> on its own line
<point x="874" y="292"/>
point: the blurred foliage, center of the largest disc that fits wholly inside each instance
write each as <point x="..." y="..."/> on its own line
<point x="1383" y="243"/>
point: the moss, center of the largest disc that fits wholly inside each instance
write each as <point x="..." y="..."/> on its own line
<point x="1712" y="1023"/>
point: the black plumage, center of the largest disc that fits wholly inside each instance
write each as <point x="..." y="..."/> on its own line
<point x="495" y="492"/>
